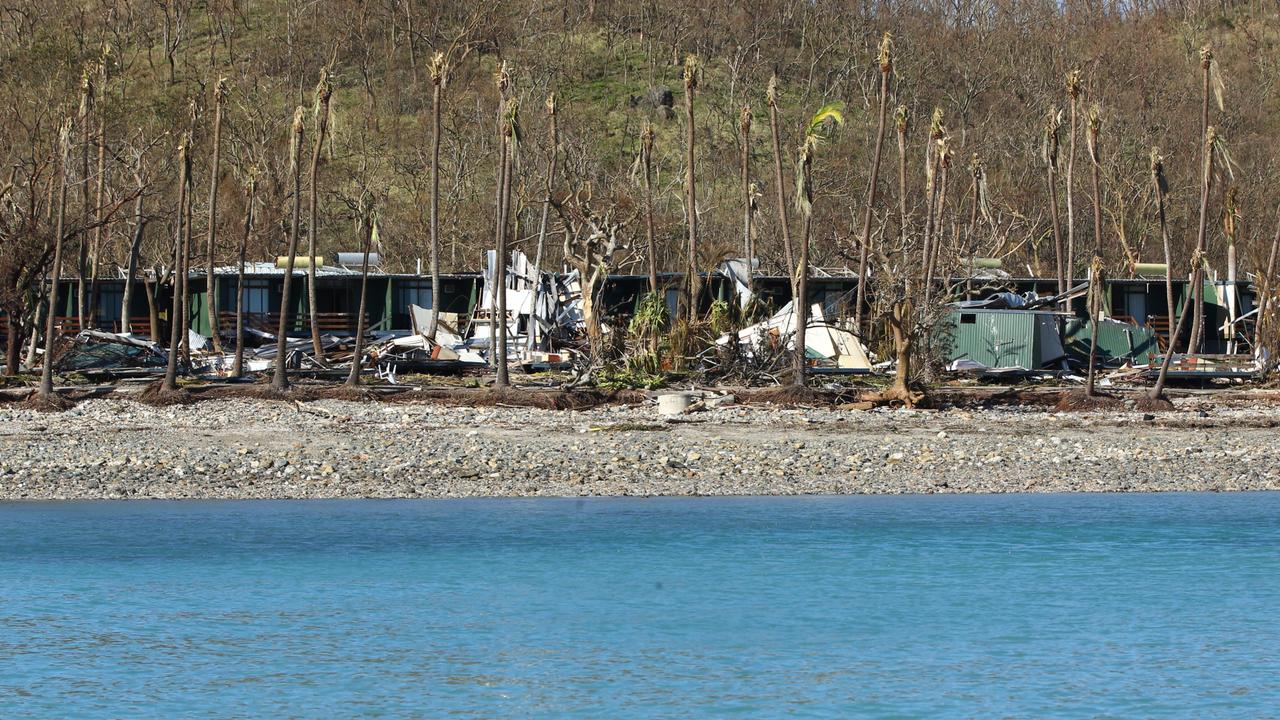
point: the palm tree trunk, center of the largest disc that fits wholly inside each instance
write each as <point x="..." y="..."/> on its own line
<point x="211" y="281"/>
<point x="357" y="356"/>
<point x="50" y="328"/>
<point x="800" y="303"/>
<point x="186" y="272"/>
<point x="692" y="281"/>
<point x="100" y="193"/>
<point x="1206" y="164"/>
<point x="135" y="247"/>
<point x="323" y="94"/>
<point x="179" y="280"/>
<point x="82" y="268"/>
<point x="778" y="182"/>
<point x="1060" y="261"/>
<point x="646" y="159"/>
<point x="280" y="380"/>
<point x="1158" y="185"/>
<point x="865" y="250"/>
<point x="437" y="94"/>
<point x="939" y="211"/>
<point x="500" y="268"/>
<point x="748" y="249"/>
<point x="1195" y="344"/>
<point x="1095" y="276"/>
<point x="1071" y="208"/>
<point x="237" y="366"/>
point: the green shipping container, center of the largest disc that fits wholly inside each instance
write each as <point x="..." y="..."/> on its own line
<point x="1026" y="339"/>
<point x="1118" y="342"/>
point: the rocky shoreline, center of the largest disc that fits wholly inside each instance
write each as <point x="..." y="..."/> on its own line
<point x="116" y="449"/>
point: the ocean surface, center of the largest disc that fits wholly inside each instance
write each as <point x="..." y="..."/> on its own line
<point x="1033" y="606"/>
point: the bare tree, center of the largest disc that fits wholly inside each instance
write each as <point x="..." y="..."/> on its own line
<point x="646" y="160"/>
<point x="439" y="80"/>
<point x="886" y="69"/>
<point x="1049" y="154"/>
<point x="367" y="223"/>
<point x="692" y="280"/>
<point x="778" y="181"/>
<point x="320" y="112"/>
<point x="215" y="175"/>
<point x="60" y="215"/>
<point x="280" y="380"/>
<point x="250" y="193"/>
<point x="815" y="133"/>
<point x="180" y="250"/>
<point x="748" y="247"/>
<point x="1073" y="86"/>
<point x="1097" y="283"/>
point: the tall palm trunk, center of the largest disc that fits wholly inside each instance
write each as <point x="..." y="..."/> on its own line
<point x="280" y="380"/>
<point x="748" y="246"/>
<point x="900" y="124"/>
<point x="187" y="222"/>
<point x="131" y="270"/>
<point x="1206" y="163"/>
<point x="100" y="194"/>
<point x="692" y="279"/>
<point x="778" y="182"/>
<point x="1096" y="282"/>
<point x="1160" y="186"/>
<point x="932" y="149"/>
<point x="86" y="135"/>
<point x="800" y="304"/>
<point x="179" y="309"/>
<point x="60" y="215"/>
<point x="1051" y="146"/>
<point x="237" y="367"/>
<point x="886" y="67"/>
<point x="646" y="159"/>
<point x="1073" y="99"/>
<point x="439" y="78"/>
<point x="366" y="242"/>
<point x="211" y="282"/>
<point x="500" y="269"/>
<point x="324" y="91"/>
<point x="938" y="211"/>
<point x="502" y="79"/>
<point x="553" y="133"/>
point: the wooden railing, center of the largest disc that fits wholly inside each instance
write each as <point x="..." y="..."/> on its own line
<point x="337" y="322"/>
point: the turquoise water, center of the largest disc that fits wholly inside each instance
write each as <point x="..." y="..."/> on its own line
<point x="981" y="606"/>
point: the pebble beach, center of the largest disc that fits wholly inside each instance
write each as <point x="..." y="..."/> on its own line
<point x="117" y="449"/>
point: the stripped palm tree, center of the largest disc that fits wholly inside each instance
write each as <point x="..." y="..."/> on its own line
<point x="692" y="71"/>
<point x="250" y="192"/>
<point x="748" y="249"/>
<point x="1049" y="154"/>
<point x="1155" y="397"/>
<point x="815" y="133"/>
<point x="1262" y="326"/>
<point x="1073" y="86"/>
<point x="1230" y="224"/>
<point x="778" y="182"/>
<point x="180" y="251"/>
<point x="937" y="135"/>
<point x="211" y="286"/>
<point x="901" y="123"/>
<point x="1211" y="82"/>
<point x="886" y="69"/>
<point x="320" y="115"/>
<point x="101" y="216"/>
<point x="1096" y="284"/>
<point x="45" y="393"/>
<point x="502" y="81"/>
<point x="368" y="227"/>
<point x="511" y="137"/>
<point x="280" y="380"/>
<point x="939" y="210"/>
<point x="646" y="161"/>
<point x="439" y="80"/>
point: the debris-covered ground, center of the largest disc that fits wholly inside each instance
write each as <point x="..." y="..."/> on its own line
<point x="116" y="448"/>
